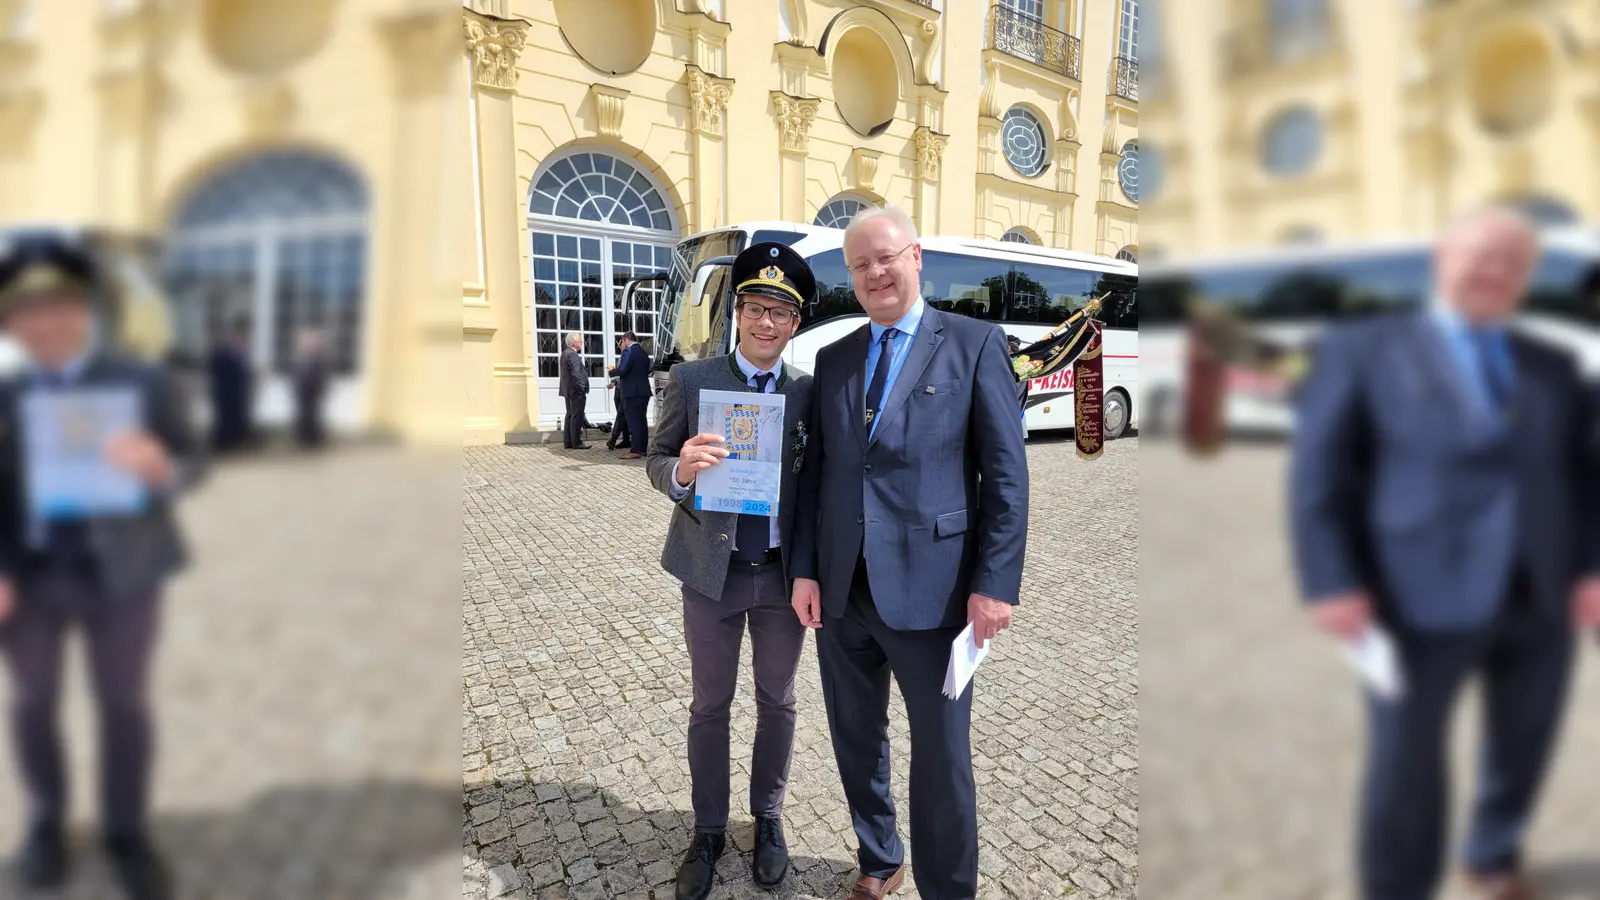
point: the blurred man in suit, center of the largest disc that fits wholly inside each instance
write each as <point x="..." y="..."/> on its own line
<point x="312" y="372"/>
<point x="734" y="567"/>
<point x="574" y="386"/>
<point x="1442" y="489"/>
<point x="633" y="383"/>
<point x="232" y="382"/>
<point x="100" y="573"/>
<point x="619" y="427"/>
<point x="913" y="520"/>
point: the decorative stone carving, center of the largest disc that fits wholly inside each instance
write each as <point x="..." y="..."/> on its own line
<point x="1067" y="166"/>
<point x="988" y="144"/>
<point x="930" y="151"/>
<point x="608" y="109"/>
<point x="795" y="116"/>
<point x="495" y="45"/>
<point x="708" y="100"/>
<point x="988" y="94"/>
<point x="864" y="168"/>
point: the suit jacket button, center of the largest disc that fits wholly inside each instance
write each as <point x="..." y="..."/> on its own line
<point x="867" y="469"/>
<point x="722" y="537"/>
<point x="860" y="519"/>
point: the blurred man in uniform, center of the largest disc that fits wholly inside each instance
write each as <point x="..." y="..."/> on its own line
<point x="574" y="386"/>
<point x="633" y="383"/>
<point x="734" y="567"/>
<point x="1442" y="490"/>
<point x="101" y="574"/>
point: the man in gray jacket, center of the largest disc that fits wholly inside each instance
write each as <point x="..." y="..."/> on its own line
<point x="734" y="567"/>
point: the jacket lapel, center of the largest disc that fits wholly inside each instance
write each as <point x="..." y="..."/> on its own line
<point x="1440" y="365"/>
<point x="855" y="383"/>
<point x="928" y="337"/>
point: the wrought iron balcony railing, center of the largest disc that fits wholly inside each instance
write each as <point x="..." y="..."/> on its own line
<point x="1021" y="35"/>
<point x="1124" y="80"/>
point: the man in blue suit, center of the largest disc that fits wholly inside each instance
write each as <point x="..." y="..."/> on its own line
<point x="1442" y="488"/>
<point x="632" y="372"/>
<point x="912" y="522"/>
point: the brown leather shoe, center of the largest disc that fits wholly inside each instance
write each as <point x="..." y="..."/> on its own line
<point x="1501" y="886"/>
<point x="869" y="888"/>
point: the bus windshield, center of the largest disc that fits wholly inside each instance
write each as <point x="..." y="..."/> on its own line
<point x="695" y="327"/>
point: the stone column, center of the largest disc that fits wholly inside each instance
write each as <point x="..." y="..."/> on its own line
<point x="795" y="115"/>
<point x="930" y="152"/>
<point x="1066" y="165"/>
<point x="708" y="102"/>
<point x="494" y="44"/>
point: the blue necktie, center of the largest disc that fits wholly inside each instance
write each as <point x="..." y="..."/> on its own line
<point x="1495" y="378"/>
<point x="880" y="375"/>
<point x="754" y="533"/>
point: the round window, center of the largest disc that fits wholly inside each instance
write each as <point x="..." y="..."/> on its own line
<point x="1024" y="141"/>
<point x="1292" y="141"/>
<point x="1128" y="170"/>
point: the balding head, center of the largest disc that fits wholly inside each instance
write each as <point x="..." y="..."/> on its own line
<point x="1484" y="262"/>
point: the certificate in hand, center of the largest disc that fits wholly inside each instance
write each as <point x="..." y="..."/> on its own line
<point x="64" y="434"/>
<point x="748" y="479"/>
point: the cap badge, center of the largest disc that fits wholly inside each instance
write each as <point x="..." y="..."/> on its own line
<point x="771" y="273"/>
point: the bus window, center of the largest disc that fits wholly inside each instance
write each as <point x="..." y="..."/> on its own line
<point x="836" y="293"/>
<point x="1567" y="287"/>
<point x="964" y="285"/>
<point x="786" y="238"/>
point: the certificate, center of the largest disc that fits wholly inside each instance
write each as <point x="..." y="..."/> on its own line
<point x="748" y="479"/>
<point x="64" y="434"/>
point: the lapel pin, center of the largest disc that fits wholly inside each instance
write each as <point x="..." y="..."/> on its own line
<point x="928" y="389"/>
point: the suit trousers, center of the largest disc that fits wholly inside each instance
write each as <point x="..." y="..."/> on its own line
<point x="120" y="637"/>
<point x="1525" y="660"/>
<point x="857" y="653"/>
<point x="572" y="435"/>
<point x="756" y="597"/>
<point x="634" y="409"/>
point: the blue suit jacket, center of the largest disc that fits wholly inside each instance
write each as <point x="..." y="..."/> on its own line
<point x="633" y="373"/>
<point x="1404" y="485"/>
<point x="938" y="497"/>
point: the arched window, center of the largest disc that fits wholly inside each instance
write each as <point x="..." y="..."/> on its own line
<point x="1018" y="236"/>
<point x="1129" y="254"/>
<point x="595" y="220"/>
<point x="1023" y="138"/>
<point x="1545" y="210"/>
<point x="1128" y="171"/>
<point x="838" y="212"/>
<point x="275" y="244"/>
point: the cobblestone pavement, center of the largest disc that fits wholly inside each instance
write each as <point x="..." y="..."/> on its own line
<point x="1251" y="725"/>
<point x="577" y="695"/>
<point x="307" y="689"/>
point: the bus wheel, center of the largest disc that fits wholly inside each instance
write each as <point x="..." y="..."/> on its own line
<point x="1116" y="414"/>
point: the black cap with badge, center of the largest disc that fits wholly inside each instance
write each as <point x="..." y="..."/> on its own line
<point x="773" y="270"/>
<point x="35" y="266"/>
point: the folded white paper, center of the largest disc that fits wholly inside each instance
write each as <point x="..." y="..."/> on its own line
<point x="965" y="658"/>
<point x="1376" y="659"/>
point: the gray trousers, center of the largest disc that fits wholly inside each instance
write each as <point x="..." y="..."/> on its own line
<point x="120" y="636"/>
<point x="714" y="629"/>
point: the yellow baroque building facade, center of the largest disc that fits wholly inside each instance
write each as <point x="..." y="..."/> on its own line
<point x="603" y="131"/>
<point x="1271" y="122"/>
<point x="285" y="155"/>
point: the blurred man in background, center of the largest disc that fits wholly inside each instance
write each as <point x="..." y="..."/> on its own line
<point x="1440" y="488"/>
<point x="232" y="390"/>
<point x="619" y="428"/>
<point x="574" y="387"/>
<point x="99" y="572"/>
<point x="633" y="382"/>
<point x="312" y="369"/>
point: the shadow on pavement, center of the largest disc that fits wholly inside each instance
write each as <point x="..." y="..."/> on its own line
<point x="350" y="842"/>
<point x="571" y="840"/>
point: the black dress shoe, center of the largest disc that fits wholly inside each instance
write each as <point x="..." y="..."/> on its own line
<point x="142" y="871"/>
<point x="580" y="447"/>
<point x="42" y="861"/>
<point x="698" y="872"/>
<point x="771" y="860"/>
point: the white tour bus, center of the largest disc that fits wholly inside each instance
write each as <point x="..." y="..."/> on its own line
<point x="1287" y="294"/>
<point x="1026" y="289"/>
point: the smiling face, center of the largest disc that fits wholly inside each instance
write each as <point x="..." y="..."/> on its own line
<point x="52" y="328"/>
<point x="886" y="292"/>
<point x="762" y="340"/>
<point x="1484" y="266"/>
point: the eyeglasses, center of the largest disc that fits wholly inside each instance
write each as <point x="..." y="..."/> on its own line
<point x="882" y="262"/>
<point x="751" y="312"/>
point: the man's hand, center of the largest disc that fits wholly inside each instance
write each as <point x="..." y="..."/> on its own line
<point x="8" y="600"/>
<point x="698" y="454"/>
<point x="988" y="616"/>
<point x="1586" y="602"/>
<point x="807" y="602"/>
<point x="141" y="454"/>
<point x="1344" y="616"/>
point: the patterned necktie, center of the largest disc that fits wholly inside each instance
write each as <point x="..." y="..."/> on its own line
<point x="754" y="533"/>
<point x="880" y="375"/>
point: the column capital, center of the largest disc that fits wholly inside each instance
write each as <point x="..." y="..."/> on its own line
<point x="795" y="115"/>
<point x="708" y="99"/>
<point x="495" y="44"/>
<point x="930" y="152"/>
